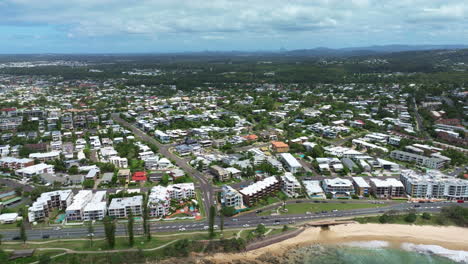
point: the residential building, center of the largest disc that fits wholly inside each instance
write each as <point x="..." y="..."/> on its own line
<point x="74" y="211"/>
<point x="15" y="163"/>
<point x="231" y="197"/>
<point x="314" y="190"/>
<point x="259" y="190"/>
<point x="34" y="170"/>
<point x="434" y="185"/>
<point x="121" y="207"/>
<point x="362" y="188"/>
<point x="388" y="188"/>
<point x="338" y="188"/>
<point x="96" y="208"/>
<point x="290" y="185"/>
<point x="429" y="162"/>
<point x="291" y="163"/>
<point x="279" y="147"/>
<point x="48" y="201"/>
<point x="119" y="162"/>
<point x="161" y="136"/>
<point x="47" y="156"/>
<point x="220" y="173"/>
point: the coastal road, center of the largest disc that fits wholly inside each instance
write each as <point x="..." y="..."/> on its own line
<point x="206" y="188"/>
<point x="242" y="221"/>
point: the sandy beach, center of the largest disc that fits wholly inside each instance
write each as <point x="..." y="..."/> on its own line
<point x="454" y="238"/>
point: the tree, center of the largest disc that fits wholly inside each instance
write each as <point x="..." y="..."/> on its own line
<point x="90" y="232"/>
<point x="260" y="230"/>
<point x="130" y="229"/>
<point x="285" y="228"/>
<point x="410" y="217"/>
<point x="109" y="230"/>
<point x="221" y="222"/>
<point x="426" y="216"/>
<point x="23" y="235"/>
<point x="165" y="180"/>
<point x="211" y="219"/>
<point x="1" y="237"/>
<point x="228" y="211"/>
<point x="146" y="226"/>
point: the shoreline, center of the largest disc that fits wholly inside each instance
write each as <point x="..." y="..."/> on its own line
<point x="449" y="237"/>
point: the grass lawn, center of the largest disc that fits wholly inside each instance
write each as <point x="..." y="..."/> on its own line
<point x="302" y="208"/>
<point x="201" y="205"/>
<point x="400" y="219"/>
<point x="34" y="258"/>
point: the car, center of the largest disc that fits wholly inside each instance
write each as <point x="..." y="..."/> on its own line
<point x="460" y="201"/>
<point x="316" y="201"/>
<point x="417" y="205"/>
<point x="215" y="226"/>
<point x="16" y="238"/>
<point x="292" y="222"/>
<point x="235" y="219"/>
<point x="258" y="211"/>
<point x="277" y="221"/>
<point x="45" y="236"/>
<point x="299" y="201"/>
<point x="324" y="212"/>
<point x="181" y="229"/>
<point x="334" y="210"/>
<point x="246" y="225"/>
<point x="57" y="228"/>
<point x="205" y="227"/>
<point x="264" y="217"/>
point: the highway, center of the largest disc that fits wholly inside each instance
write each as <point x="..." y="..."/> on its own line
<point x="250" y="220"/>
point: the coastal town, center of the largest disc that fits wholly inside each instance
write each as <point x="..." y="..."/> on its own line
<point x="84" y="152"/>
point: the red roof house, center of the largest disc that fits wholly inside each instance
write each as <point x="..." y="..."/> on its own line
<point x="139" y="176"/>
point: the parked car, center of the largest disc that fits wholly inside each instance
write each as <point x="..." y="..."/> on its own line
<point x="45" y="236"/>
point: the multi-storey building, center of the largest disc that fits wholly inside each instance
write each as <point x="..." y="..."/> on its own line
<point x="290" y="185"/>
<point x="121" y="207"/>
<point x="231" y="197"/>
<point x="434" y="185"/>
<point x="74" y="211"/>
<point x="291" y="163"/>
<point x="361" y="186"/>
<point x="96" y="208"/>
<point x="160" y="197"/>
<point x="34" y="170"/>
<point x="260" y="189"/>
<point x="220" y="173"/>
<point x="338" y="188"/>
<point x="429" y="162"/>
<point x="15" y="163"/>
<point x="387" y="188"/>
<point x="47" y="202"/>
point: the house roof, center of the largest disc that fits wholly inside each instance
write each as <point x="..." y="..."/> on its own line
<point x="279" y="144"/>
<point x="139" y="176"/>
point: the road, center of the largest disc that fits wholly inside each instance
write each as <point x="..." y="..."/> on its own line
<point x="205" y="186"/>
<point x="242" y="221"/>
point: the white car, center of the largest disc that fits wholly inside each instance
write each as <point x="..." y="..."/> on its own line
<point x="205" y="227"/>
<point x="181" y="229"/>
<point x="215" y="226"/>
<point x="246" y="225"/>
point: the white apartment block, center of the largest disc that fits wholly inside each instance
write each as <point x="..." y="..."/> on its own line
<point x="231" y="197"/>
<point x="338" y="187"/>
<point x="74" y="211"/>
<point x="96" y="209"/>
<point x="291" y="163"/>
<point x="387" y="188"/>
<point x="47" y="202"/>
<point x="434" y="185"/>
<point x="121" y="207"/>
<point x="34" y="170"/>
<point x="290" y="185"/>
<point x="119" y="162"/>
<point x="160" y="197"/>
<point x="429" y="162"/>
<point x="47" y="156"/>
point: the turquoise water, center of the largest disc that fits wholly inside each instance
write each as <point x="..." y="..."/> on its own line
<point x="351" y="255"/>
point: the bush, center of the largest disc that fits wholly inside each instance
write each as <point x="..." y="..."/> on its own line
<point x="426" y="216"/>
<point x="411" y="217"/>
<point x="228" y="211"/>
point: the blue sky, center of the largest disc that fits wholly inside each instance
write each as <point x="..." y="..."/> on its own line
<point x="96" y="26"/>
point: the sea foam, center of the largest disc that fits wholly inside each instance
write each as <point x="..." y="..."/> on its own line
<point x="455" y="255"/>
<point x="367" y="244"/>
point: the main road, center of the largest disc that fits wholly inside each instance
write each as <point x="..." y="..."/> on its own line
<point x="241" y="221"/>
<point x="206" y="188"/>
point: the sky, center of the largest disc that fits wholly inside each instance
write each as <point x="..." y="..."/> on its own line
<point x="135" y="26"/>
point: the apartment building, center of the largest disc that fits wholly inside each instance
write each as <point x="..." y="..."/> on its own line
<point x="259" y="190"/>
<point x="290" y="163"/>
<point x="314" y="190"/>
<point x="338" y="188"/>
<point x="429" y="162"/>
<point x="15" y="163"/>
<point x="388" y="188"/>
<point x="47" y="202"/>
<point x="74" y="211"/>
<point x="47" y="156"/>
<point x="96" y="209"/>
<point x="119" y="162"/>
<point x="361" y="187"/>
<point x="160" y="197"/>
<point x="220" y="173"/>
<point x="231" y="197"/>
<point x="34" y="170"/>
<point x="121" y="207"/>
<point x="434" y="185"/>
<point x="290" y="185"/>
<point x="279" y="147"/>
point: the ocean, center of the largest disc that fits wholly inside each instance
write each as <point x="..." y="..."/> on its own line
<point x="375" y="252"/>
